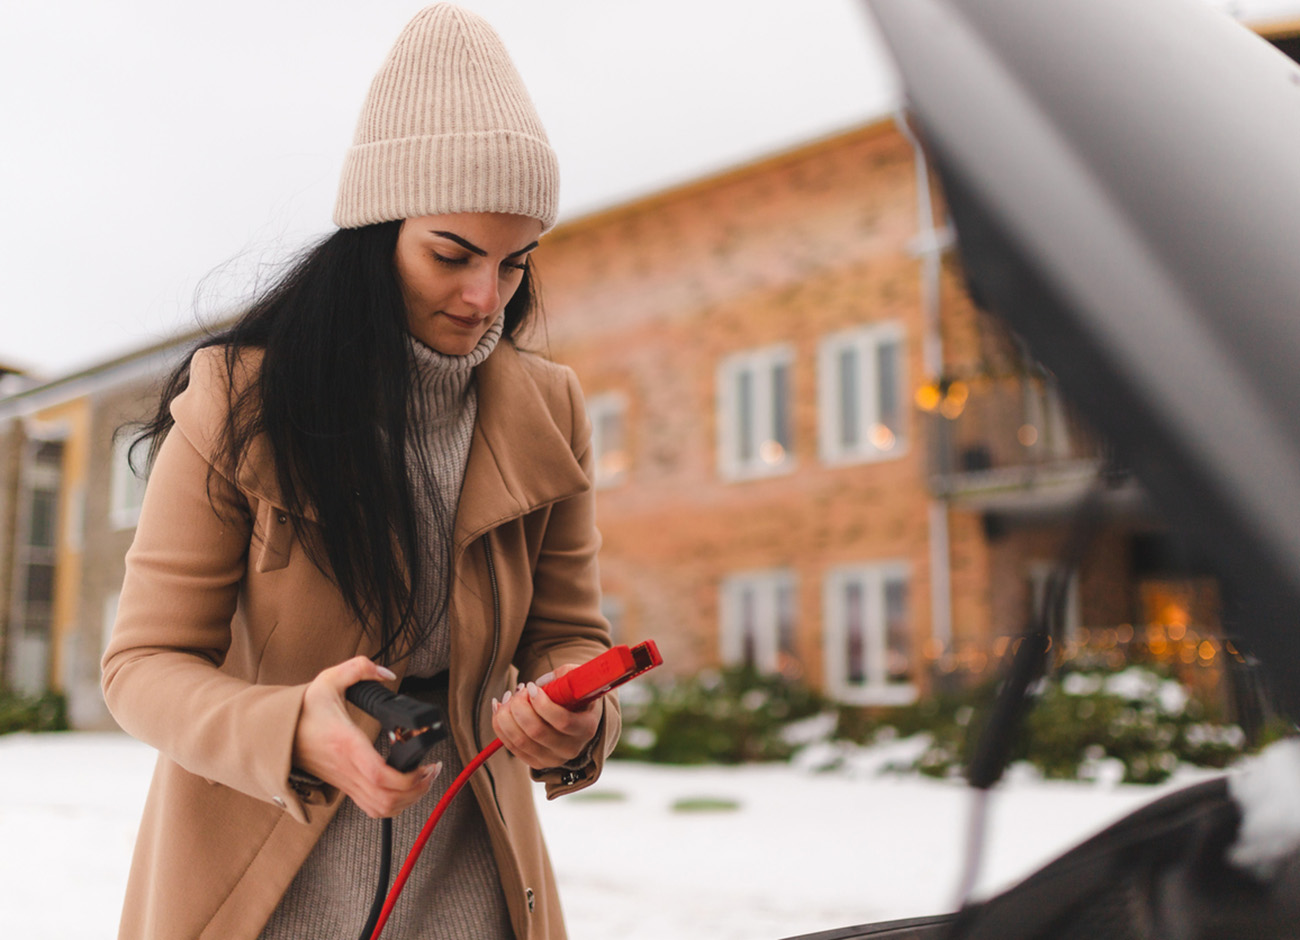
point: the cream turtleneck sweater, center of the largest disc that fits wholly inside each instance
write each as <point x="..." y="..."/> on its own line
<point x="454" y="891"/>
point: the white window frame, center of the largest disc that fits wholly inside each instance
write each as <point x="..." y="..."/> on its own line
<point x="769" y="457"/>
<point x="611" y="461"/>
<point x="877" y="688"/>
<point x="109" y="618"/>
<point x="874" y="440"/>
<point x="127" y="490"/>
<point x="31" y="635"/>
<point x="1045" y="412"/>
<point x="766" y="588"/>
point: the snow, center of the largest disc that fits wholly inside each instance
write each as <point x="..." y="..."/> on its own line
<point x="1139" y="684"/>
<point x="786" y="850"/>
<point x="1270" y="825"/>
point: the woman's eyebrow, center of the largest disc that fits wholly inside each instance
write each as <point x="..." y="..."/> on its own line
<point x="470" y="246"/>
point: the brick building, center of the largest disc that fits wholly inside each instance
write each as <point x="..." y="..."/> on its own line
<point x="814" y="453"/>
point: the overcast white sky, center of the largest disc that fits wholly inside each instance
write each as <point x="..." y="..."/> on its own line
<point x="148" y="143"/>
<point x="148" y="147"/>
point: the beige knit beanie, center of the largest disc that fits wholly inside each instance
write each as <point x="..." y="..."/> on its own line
<point x="447" y="127"/>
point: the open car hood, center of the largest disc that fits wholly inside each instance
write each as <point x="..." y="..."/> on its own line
<point x="1124" y="180"/>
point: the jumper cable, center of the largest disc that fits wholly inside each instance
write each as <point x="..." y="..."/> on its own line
<point x="573" y="690"/>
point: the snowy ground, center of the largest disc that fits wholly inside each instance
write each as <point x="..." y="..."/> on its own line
<point x="799" y="852"/>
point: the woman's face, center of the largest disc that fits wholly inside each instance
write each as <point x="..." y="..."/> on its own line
<point x="457" y="272"/>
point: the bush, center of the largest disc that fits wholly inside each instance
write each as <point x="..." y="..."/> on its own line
<point x="49" y="712"/>
<point x="1135" y="725"/>
<point x="729" y="717"/>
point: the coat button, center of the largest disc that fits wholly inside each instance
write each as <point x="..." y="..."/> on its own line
<point x="532" y="899"/>
<point x="279" y="801"/>
<point x="282" y="518"/>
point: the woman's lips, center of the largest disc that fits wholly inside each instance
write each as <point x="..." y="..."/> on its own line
<point x="468" y="323"/>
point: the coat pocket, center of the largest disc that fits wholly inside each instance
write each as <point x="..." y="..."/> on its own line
<point x="272" y="538"/>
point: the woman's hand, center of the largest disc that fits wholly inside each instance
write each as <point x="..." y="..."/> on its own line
<point x="330" y="746"/>
<point x="539" y="732"/>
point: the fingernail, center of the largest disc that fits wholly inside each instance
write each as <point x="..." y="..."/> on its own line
<point x="546" y="679"/>
<point x="387" y="673"/>
<point x="532" y="688"/>
<point x="432" y="770"/>
<point x="505" y="698"/>
<point x="520" y="687"/>
<point x="495" y="706"/>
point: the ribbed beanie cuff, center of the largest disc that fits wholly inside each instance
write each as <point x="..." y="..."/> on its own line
<point x="447" y="127"/>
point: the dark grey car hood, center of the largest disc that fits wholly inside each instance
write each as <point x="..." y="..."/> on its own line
<point x="1124" y="179"/>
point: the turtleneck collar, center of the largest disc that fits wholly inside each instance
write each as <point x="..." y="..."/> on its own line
<point x="431" y="362"/>
<point x="441" y="384"/>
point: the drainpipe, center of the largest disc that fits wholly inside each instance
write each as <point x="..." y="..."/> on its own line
<point x="929" y="246"/>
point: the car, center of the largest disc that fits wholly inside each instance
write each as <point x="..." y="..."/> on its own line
<point x="1123" y="177"/>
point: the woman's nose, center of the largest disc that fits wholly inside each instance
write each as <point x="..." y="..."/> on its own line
<point x="482" y="292"/>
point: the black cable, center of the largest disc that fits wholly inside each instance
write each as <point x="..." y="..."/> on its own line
<point x="385" y="871"/>
<point x="411" y="727"/>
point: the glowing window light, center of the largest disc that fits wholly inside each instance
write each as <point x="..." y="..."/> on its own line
<point x="771" y="452"/>
<point x="881" y="437"/>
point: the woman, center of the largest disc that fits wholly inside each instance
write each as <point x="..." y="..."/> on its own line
<point x="363" y="478"/>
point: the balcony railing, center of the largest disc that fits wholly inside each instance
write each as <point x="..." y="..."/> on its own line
<point x="1006" y="441"/>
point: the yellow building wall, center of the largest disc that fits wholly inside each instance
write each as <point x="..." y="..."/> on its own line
<point x="70" y="422"/>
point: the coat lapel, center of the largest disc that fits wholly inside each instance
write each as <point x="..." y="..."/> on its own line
<point x="520" y="458"/>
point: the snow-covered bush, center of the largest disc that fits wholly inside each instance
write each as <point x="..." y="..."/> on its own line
<point x="728" y="717"/>
<point x="1134" y="725"/>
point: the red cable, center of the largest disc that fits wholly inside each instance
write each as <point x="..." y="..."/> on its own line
<point x="427" y="831"/>
<point x="573" y="690"/>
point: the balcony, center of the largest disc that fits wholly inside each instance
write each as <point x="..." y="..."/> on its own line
<point x="1006" y="444"/>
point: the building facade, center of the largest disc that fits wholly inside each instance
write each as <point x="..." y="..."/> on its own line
<point x="750" y="345"/>
<point x="68" y="506"/>
<point x="815" y="455"/>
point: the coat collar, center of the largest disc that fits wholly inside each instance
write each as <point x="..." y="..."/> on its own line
<point x="521" y="458"/>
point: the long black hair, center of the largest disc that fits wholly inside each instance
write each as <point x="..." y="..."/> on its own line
<point x="332" y="401"/>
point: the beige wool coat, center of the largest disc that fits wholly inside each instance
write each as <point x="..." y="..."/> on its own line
<point x="223" y="620"/>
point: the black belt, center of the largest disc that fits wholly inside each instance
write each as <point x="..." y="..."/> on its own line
<point x="425" y="687"/>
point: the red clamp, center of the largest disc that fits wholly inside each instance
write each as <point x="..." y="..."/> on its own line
<point x="607" y="671"/>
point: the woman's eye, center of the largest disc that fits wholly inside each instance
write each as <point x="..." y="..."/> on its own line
<point x="509" y="267"/>
<point x="452" y="262"/>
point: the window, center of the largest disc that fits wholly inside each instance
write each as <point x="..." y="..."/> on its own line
<point x="869" y="657"/>
<point x="35" y="555"/>
<point x="1045" y="424"/>
<point x="861" y="386"/>
<point x="128" y="489"/>
<point x="609" y="437"/>
<point x="110" y="618"/>
<point x="755" y="437"/>
<point x="758" y="620"/>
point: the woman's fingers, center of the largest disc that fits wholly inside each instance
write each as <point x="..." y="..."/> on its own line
<point x="329" y="745"/>
<point x="381" y="798"/>
<point x="354" y="670"/>
<point x="538" y="731"/>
